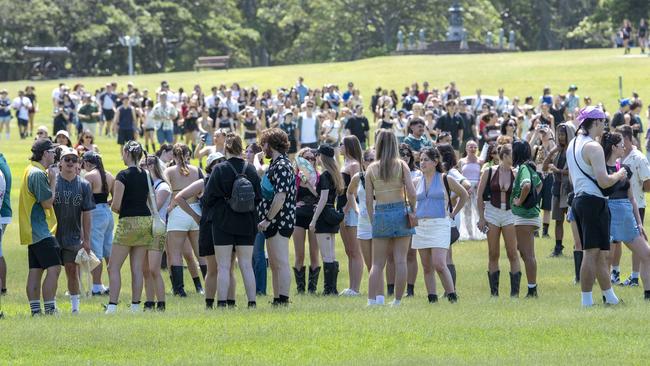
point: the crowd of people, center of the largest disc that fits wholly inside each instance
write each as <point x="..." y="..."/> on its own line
<point x="300" y="165"/>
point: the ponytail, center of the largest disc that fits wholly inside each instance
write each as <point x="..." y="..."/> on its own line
<point x="180" y="152"/>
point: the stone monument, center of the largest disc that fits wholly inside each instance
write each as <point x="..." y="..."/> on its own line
<point x="455" y="30"/>
<point x="400" y="41"/>
<point x="511" y="42"/>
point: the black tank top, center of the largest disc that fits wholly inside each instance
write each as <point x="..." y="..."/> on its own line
<point x="342" y="200"/>
<point x="126" y="118"/>
<point x="620" y="188"/>
<point x="100" y="198"/>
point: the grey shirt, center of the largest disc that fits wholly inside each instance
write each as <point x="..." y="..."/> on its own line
<point x="71" y="199"/>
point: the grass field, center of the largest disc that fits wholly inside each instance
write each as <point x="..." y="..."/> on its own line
<point x="315" y="330"/>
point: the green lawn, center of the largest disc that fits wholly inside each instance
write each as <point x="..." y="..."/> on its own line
<point x="315" y="330"/>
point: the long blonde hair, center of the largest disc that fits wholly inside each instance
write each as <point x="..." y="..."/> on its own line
<point x="386" y="154"/>
<point x="332" y="167"/>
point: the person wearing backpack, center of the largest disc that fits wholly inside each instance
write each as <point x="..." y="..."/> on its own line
<point x="524" y="201"/>
<point x="233" y="192"/>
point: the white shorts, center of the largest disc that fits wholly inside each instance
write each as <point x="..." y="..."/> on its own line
<point x="498" y="217"/>
<point x="364" y="228"/>
<point x="179" y="220"/>
<point x="432" y="233"/>
<point x="535" y="221"/>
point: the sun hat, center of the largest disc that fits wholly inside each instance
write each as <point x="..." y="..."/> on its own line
<point x="590" y="112"/>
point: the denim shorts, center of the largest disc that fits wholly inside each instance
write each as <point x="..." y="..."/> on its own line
<point x="390" y="221"/>
<point x="165" y="136"/>
<point x="101" y="239"/>
<point x="623" y="224"/>
<point x="351" y="218"/>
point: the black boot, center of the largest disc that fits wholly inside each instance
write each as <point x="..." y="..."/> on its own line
<point x="313" y="279"/>
<point x="149" y="305"/>
<point x="410" y="290"/>
<point x="452" y="297"/>
<point x="197" y="285"/>
<point x="515" y="280"/>
<point x="433" y="298"/>
<point x="300" y="279"/>
<point x="577" y="263"/>
<point x="493" y="279"/>
<point x="178" y="283"/>
<point x="330" y="274"/>
<point x="160" y="306"/>
<point x="335" y="279"/>
<point x="452" y="270"/>
<point x="532" y="292"/>
<point x="557" y="250"/>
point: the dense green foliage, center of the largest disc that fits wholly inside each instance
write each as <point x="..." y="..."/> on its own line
<point x="272" y="32"/>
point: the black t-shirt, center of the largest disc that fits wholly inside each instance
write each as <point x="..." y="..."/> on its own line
<point x="618" y="119"/>
<point x="468" y="126"/>
<point x="620" y="188"/>
<point x="451" y="124"/>
<point x="136" y="192"/>
<point x="358" y="125"/>
<point x="326" y="182"/>
<point x="219" y="188"/>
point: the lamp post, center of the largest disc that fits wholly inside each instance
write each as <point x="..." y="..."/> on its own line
<point x="130" y="41"/>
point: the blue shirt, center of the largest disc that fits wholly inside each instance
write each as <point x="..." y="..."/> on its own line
<point x="430" y="200"/>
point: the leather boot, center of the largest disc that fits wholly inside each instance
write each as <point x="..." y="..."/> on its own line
<point x="493" y="279"/>
<point x="299" y="274"/>
<point x="313" y="279"/>
<point x="177" y="281"/>
<point x="577" y="263"/>
<point x="515" y="280"/>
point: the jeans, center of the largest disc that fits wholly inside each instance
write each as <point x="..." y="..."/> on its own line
<point x="259" y="264"/>
<point x="165" y="136"/>
<point x="101" y="240"/>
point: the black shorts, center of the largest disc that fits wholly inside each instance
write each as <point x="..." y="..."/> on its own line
<point x="68" y="254"/>
<point x="272" y="230"/>
<point x="323" y="227"/>
<point x="593" y="219"/>
<point x="124" y="136"/>
<point x="108" y="114"/>
<point x="546" y="194"/>
<point x="206" y="245"/>
<point x="178" y="130"/>
<point x="190" y="126"/>
<point x="220" y="238"/>
<point x="304" y="215"/>
<point x="44" y="254"/>
<point x="23" y="122"/>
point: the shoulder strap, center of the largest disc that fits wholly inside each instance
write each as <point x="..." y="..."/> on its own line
<point x="232" y="168"/>
<point x="243" y="170"/>
<point x="446" y="181"/>
<point x="575" y="141"/>
<point x="154" y="207"/>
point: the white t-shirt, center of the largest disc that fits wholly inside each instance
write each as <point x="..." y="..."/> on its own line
<point x="56" y="93"/>
<point x="160" y="186"/>
<point x="308" y="129"/>
<point x="332" y="128"/>
<point x="640" y="172"/>
<point x="22" y="105"/>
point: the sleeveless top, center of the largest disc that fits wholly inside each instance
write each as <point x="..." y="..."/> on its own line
<point x="431" y="200"/>
<point x="306" y="196"/>
<point x="620" y="189"/>
<point x="126" y="118"/>
<point x="495" y="190"/>
<point x="472" y="171"/>
<point x="250" y="128"/>
<point x="100" y="198"/>
<point x="381" y="186"/>
<point x="342" y="199"/>
<point x="581" y="183"/>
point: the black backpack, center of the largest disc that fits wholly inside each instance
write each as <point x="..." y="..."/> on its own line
<point x="242" y="196"/>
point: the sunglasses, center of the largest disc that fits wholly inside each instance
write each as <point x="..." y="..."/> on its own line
<point x="70" y="159"/>
<point x="40" y="133"/>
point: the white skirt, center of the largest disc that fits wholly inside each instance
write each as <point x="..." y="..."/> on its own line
<point x="364" y="228"/>
<point x="432" y="233"/>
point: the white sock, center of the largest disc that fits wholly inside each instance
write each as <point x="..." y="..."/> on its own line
<point x="372" y="302"/>
<point x="135" y="308"/>
<point x="532" y="285"/>
<point x="379" y="300"/>
<point x="587" y="299"/>
<point x="616" y="268"/>
<point x="610" y="296"/>
<point x="74" y="300"/>
<point x="97" y="288"/>
<point x="111" y="308"/>
<point x="634" y="275"/>
<point x="396" y="302"/>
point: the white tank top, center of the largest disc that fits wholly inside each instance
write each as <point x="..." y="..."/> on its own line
<point x="581" y="183"/>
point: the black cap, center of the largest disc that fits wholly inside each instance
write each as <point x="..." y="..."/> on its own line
<point x="41" y="145"/>
<point x="326" y="150"/>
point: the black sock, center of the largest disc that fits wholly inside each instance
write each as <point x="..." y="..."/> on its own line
<point x="209" y="303"/>
<point x="149" y="305"/>
<point x="222" y="303"/>
<point x="3" y="291"/>
<point x="161" y="306"/>
<point x="197" y="282"/>
<point x="390" y="289"/>
<point x="545" y="229"/>
<point x="410" y="289"/>
<point x="204" y="270"/>
<point x="433" y="298"/>
<point x="230" y="303"/>
<point x="284" y="299"/>
<point x="646" y="294"/>
<point x="252" y="304"/>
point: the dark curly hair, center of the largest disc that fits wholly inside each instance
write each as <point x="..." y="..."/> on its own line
<point x="276" y="138"/>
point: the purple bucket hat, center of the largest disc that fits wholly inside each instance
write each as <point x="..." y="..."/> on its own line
<point x="590" y="112"/>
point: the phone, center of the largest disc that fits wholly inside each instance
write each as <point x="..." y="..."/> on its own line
<point x="204" y="136"/>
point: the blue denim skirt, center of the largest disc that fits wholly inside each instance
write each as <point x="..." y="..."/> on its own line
<point x="623" y="224"/>
<point x="390" y="221"/>
<point x="351" y="218"/>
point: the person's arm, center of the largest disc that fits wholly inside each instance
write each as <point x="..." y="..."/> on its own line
<point x="408" y="185"/>
<point x="193" y="190"/>
<point x="480" y="205"/>
<point x="461" y="193"/>
<point x="276" y="206"/>
<point x="351" y="194"/>
<point x="118" y="192"/>
<point x="43" y="187"/>
<point x="594" y="156"/>
<point x="546" y="165"/>
<point x="370" y="194"/>
<point x="116" y="120"/>
<point x="257" y="163"/>
<point x="86" y="221"/>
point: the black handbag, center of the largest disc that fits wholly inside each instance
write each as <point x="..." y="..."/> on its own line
<point x="455" y="234"/>
<point x="533" y="196"/>
<point x="331" y="216"/>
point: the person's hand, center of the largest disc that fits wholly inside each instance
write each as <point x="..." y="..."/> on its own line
<point x="52" y="172"/>
<point x="482" y="224"/>
<point x="263" y="225"/>
<point x="196" y="218"/>
<point x="312" y="225"/>
<point x="622" y="175"/>
<point x="552" y="168"/>
<point x="516" y="202"/>
<point x="86" y="245"/>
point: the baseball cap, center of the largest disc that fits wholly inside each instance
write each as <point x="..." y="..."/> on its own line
<point x="68" y="151"/>
<point x="592" y="112"/>
<point x="625" y="102"/>
<point x="214" y="157"/>
<point x="573" y="87"/>
<point x="288" y="111"/>
<point x="44" y="144"/>
<point x="62" y="132"/>
<point x="326" y="150"/>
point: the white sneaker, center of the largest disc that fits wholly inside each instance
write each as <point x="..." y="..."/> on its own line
<point x="395" y="303"/>
<point x="349" y="292"/>
<point x="135" y="308"/>
<point x="111" y="309"/>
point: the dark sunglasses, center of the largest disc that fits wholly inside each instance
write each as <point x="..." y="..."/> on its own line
<point x="313" y="158"/>
<point x="71" y="159"/>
